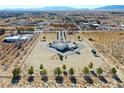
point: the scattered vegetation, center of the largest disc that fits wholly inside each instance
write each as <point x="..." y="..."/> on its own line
<point x="41" y="67"/>
<point x="113" y="71"/>
<point x="44" y="38"/>
<point x="16" y="75"/>
<point x="16" y="72"/>
<point x="71" y="71"/>
<point x="99" y="71"/>
<point x="64" y="69"/>
<point x="44" y="75"/>
<point x="90" y="65"/>
<point x="86" y="70"/>
<point x="31" y="72"/>
<point x="79" y="38"/>
<point x="58" y="72"/>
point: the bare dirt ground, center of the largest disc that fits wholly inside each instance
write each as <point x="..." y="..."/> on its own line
<point x="50" y="60"/>
<point x="111" y="45"/>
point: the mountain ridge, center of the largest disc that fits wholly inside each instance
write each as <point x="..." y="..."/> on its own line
<point x="66" y="8"/>
<point x="111" y="7"/>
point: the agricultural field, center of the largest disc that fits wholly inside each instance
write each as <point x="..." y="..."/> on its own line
<point x="13" y="54"/>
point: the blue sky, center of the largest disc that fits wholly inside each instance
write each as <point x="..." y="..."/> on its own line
<point x="74" y="6"/>
<point x="73" y="3"/>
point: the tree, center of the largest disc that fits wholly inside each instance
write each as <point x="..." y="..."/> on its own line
<point x="99" y="71"/>
<point x="86" y="76"/>
<point x="61" y="57"/>
<point x="79" y="37"/>
<point x="64" y="67"/>
<point x="113" y="71"/>
<point x="58" y="71"/>
<point x="71" y="71"/>
<point x="90" y="65"/>
<point x="44" y="38"/>
<point x="16" y="76"/>
<point x="31" y="70"/>
<point x="86" y="70"/>
<point x="16" y="72"/>
<point x="41" y="66"/>
<point x="44" y="72"/>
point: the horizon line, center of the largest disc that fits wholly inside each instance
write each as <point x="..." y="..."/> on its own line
<point x="36" y="7"/>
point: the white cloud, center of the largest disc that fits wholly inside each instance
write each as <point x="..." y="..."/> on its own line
<point x="59" y="2"/>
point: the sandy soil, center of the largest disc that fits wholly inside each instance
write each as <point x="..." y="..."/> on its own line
<point x="50" y="60"/>
<point x="110" y="45"/>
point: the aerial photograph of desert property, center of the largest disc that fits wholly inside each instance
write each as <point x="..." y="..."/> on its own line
<point x="62" y="47"/>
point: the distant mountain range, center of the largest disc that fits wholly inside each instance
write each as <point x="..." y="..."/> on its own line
<point x="64" y="8"/>
<point x="111" y="7"/>
<point x="58" y="8"/>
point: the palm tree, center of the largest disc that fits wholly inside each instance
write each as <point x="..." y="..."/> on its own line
<point x="71" y="71"/>
<point x="86" y="70"/>
<point x="31" y="71"/>
<point x="41" y="67"/>
<point x="99" y="71"/>
<point x="58" y="71"/>
<point x="16" y="72"/>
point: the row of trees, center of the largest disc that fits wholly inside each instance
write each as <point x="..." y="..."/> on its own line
<point x="59" y="71"/>
<point x="99" y="70"/>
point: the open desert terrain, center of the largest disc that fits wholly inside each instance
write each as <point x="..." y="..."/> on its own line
<point x="110" y="45"/>
<point x="38" y="54"/>
<point x="62" y="49"/>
